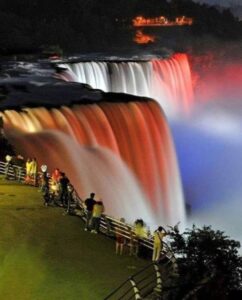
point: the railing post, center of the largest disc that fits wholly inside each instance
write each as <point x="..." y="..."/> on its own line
<point x="108" y="230"/>
<point x="135" y="288"/>
<point x="158" y="287"/>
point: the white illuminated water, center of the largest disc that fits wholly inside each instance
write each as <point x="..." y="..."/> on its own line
<point x="168" y="81"/>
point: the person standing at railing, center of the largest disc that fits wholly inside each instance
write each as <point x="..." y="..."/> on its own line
<point x="64" y="181"/>
<point x="159" y="234"/>
<point x="54" y="183"/>
<point x="140" y="232"/>
<point x="55" y="176"/>
<point x="8" y="164"/>
<point x="120" y="239"/>
<point x="89" y="204"/>
<point x="44" y="179"/>
<point x="34" y="171"/>
<point x="46" y="196"/>
<point x="98" y="209"/>
<point x="28" y="165"/>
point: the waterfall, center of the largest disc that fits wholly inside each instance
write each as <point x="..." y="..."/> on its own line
<point x="168" y="81"/>
<point x="121" y="151"/>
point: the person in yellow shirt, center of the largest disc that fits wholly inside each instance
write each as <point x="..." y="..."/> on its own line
<point x="139" y="233"/>
<point x="159" y="234"/>
<point x="98" y="209"/>
<point x="34" y="171"/>
<point x="28" y="166"/>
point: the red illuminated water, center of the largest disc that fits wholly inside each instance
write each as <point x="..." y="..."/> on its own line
<point x="121" y="151"/>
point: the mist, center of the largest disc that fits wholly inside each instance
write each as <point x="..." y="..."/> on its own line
<point x="209" y="145"/>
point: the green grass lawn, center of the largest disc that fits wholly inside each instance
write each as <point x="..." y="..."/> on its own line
<point x="45" y="254"/>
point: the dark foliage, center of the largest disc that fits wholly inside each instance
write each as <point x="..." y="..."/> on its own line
<point x="207" y="261"/>
<point x="5" y="146"/>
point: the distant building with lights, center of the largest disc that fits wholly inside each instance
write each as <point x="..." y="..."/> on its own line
<point x="141" y="38"/>
<point x="140" y="21"/>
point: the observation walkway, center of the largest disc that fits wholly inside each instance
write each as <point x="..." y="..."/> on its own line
<point x="146" y="279"/>
<point x="46" y="254"/>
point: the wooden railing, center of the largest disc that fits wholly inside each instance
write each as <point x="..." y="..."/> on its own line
<point x="12" y="171"/>
<point x="141" y="284"/>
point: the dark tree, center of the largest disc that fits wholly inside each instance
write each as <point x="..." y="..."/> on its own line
<point x="208" y="264"/>
<point x="5" y="148"/>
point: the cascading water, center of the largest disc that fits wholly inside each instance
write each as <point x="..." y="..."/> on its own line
<point x="121" y="151"/>
<point x="207" y="140"/>
<point x="206" y="125"/>
<point x="168" y="80"/>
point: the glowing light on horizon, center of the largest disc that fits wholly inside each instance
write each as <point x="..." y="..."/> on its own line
<point x="140" y="21"/>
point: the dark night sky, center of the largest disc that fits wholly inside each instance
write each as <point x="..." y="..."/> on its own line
<point x="235" y="5"/>
<point x="221" y="2"/>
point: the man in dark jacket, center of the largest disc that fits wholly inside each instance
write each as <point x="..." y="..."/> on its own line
<point x="63" y="188"/>
<point x="89" y="203"/>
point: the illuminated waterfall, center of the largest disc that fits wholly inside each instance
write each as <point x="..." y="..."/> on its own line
<point x="121" y="151"/>
<point x="168" y="81"/>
